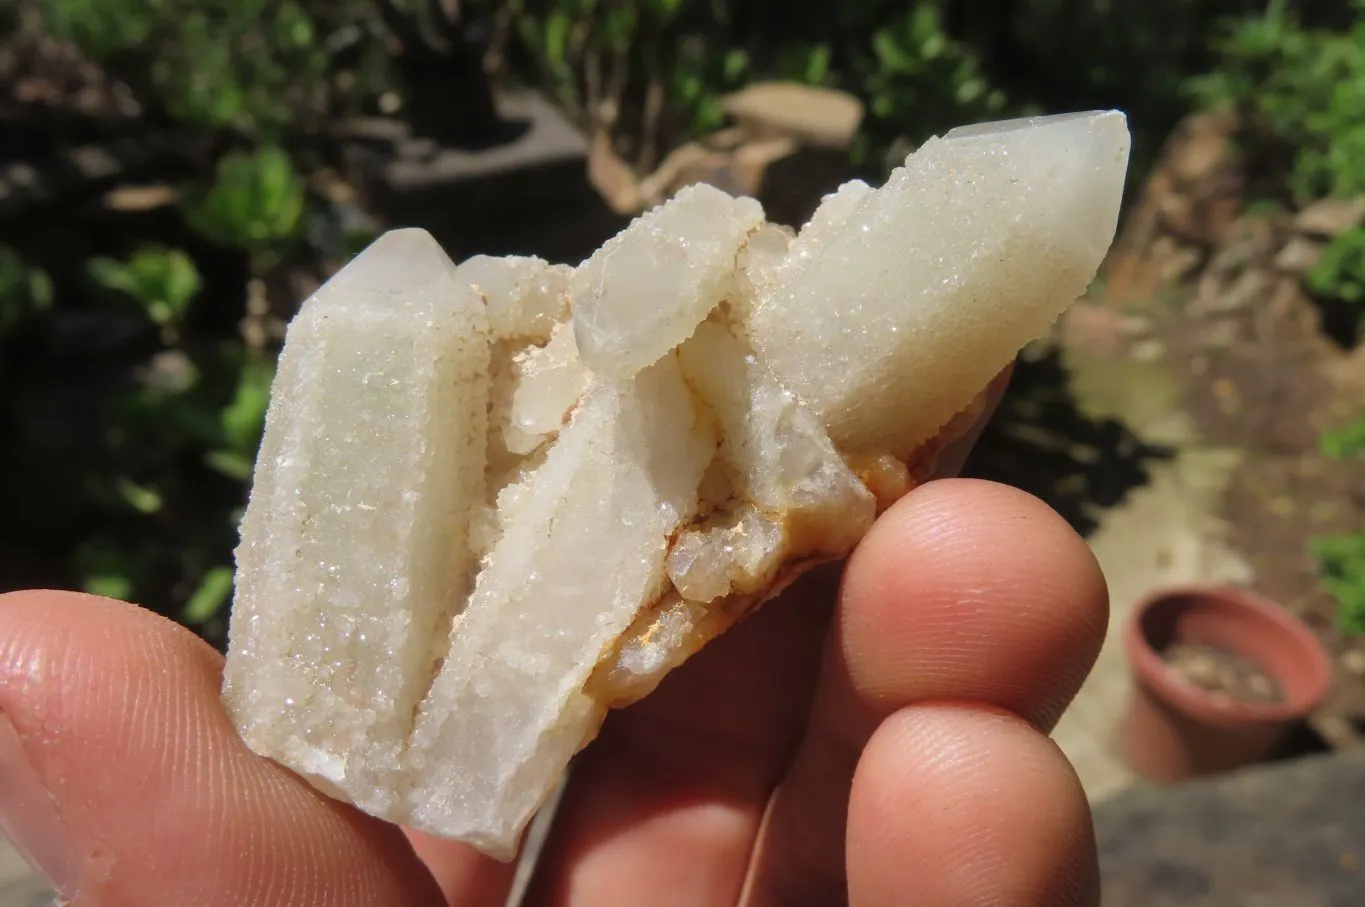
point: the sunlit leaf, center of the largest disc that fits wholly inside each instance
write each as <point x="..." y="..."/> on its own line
<point x="209" y="597"/>
<point x="142" y="498"/>
<point x="557" y="28"/>
<point x="108" y="585"/>
<point x="229" y="463"/>
<point x="244" y="418"/>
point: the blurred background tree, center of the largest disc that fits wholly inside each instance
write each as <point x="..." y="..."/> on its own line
<point x="137" y="337"/>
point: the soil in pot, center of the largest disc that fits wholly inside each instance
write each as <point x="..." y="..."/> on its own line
<point x="1223" y="674"/>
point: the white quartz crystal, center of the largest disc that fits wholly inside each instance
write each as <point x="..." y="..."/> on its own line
<point x="930" y="284"/>
<point x="741" y="552"/>
<point x="526" y="297"/>
<point x="354" y="553"/>
<point x="583" y="545"/>
<point x="548" y="381"/>
<point x="646" y="290"/>
<point x="497" y="500"/>
<point x="790" y="493"/>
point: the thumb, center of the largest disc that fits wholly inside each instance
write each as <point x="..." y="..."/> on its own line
<point x="122" y="778"/>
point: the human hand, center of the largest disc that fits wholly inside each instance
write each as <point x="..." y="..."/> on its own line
<point x="879" y="740"/>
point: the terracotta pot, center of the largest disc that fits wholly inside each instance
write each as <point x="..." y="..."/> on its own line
<point x="1176" y="730"/>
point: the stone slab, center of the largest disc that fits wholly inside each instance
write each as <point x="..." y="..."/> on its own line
<point x="1290" y="834"/>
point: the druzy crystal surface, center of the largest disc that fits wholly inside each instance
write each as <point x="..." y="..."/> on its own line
<point x="495" y="500"/>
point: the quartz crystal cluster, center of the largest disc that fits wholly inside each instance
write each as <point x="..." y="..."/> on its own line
<point x="495" y="500"/>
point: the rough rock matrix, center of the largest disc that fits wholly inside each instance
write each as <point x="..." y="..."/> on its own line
<point x="495" y="500"/>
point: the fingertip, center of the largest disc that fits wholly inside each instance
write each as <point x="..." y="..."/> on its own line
<point x="972" y="589"/>
<point x="984" y="518"/>
<point x="964" y="591"/>
<point x="39" y="598"/>
<point x="50" y="613"/>
<point x="466" y="877"/>
<point x="964" y="805"/>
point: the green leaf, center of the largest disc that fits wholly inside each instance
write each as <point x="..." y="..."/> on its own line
<point x="817" y="65"/>
<point x="40" y="292"/>
<point x="256" y="203"/>
<point x="889" y="52"/>
<point x="970" y="91"/>
<point x="735" y="65"/>
<point x="100" y="31"/>
<point x="709" y="115"/>
<point x="924" y="24"/>
<point x="666" y="10"/>
<point x="294" y="26"/>
<point x="110" y="566"/>
<point x="142" y="498"/>
<point x="213" y="592"/>
<point x="163" y="282"/>
<point x="229" y="463"/>
<point x="1341" y="566"/>
<point x="110" y="274"/>
<point x="108" y="585"/>
<point x="24" y="290"/>
<point x="557" y="38"/>
<point x="618" y="27"/>
<point x="532" y="34"/>
<point x="934" y="46"/>
<point x="1340" y="271"/>
<point x="1345" y="443"/>
<point x="243" y="419"/>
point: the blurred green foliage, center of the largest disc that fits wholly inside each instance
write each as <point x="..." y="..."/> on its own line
<point x="1340" y="273"/>
<point x="185" y="429"/>
<point x="254" y="81"/>
<point x="178" y="450"/>
<point x="1341" y="559"/>
<point x="1345" y="443"/>
<point x="256" y="203"/>
<point x="1301" y="88"/>
<point x="162" y="282"/>
<point x="915" y="67"/>
<point x="1341" y="562"/>
<point x="258" y="67"/>
<point x="1341" y="269"/>
<point x="1300" y="91"/>
<point x="24" y="290"/>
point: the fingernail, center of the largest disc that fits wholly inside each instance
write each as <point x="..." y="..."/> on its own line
<point x="28" y="814"/>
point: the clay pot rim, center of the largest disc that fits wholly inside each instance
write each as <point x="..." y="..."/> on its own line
<point x="1152" y="672"/>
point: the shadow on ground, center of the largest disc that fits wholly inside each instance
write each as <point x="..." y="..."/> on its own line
<point x="1042" y="442"/>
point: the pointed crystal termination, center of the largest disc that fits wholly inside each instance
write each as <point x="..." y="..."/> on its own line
<point x="495" y="501"/>
<point x="892" y="319"/>
<point x="353" y="551"/>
